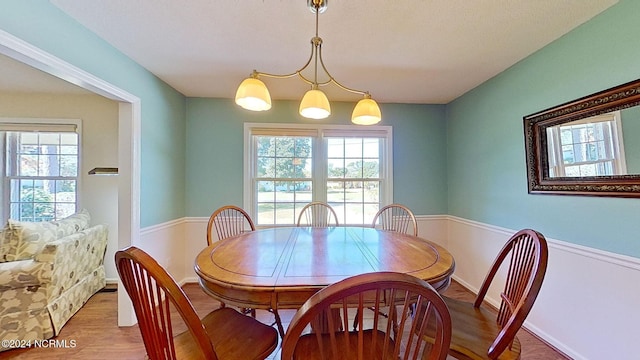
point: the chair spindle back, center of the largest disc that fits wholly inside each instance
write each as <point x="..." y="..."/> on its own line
<point x="527" y="253"/>
<point x="151" y="290"/>
<point x="397" y="335"/>
<point x="317" y="214"/>
<point x="398" y="218"/>
<point x="229" y="221"/>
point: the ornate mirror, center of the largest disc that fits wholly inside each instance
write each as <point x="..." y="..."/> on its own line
<point x="590" y="146"/>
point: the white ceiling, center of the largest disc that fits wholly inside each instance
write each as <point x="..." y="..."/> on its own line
<point x="409" y="51"/>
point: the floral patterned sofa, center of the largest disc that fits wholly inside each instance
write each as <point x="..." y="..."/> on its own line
<point x="48" y="271"/>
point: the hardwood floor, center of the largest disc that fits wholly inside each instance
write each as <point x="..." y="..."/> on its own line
<point x="93" y="332"/>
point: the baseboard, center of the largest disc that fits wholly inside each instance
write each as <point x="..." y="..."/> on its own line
<point x="109" y="288"/>
<point x="189" y="280"/>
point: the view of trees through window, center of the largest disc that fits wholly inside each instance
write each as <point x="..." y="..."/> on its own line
<point x="284" y="177"/>
<point x="41" y="174"/>
<point x="348" y="177"/>
<point x="353" y="182"/>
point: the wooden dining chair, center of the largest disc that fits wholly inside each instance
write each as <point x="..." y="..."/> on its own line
<point x="478" y="333"/>
<point x="394" y="217"/>
<point x="222" y="334"/>
<point x="398" y="218"/>
<point x="317" y="214"/>
<point x="229" y="221"/>
<point x="376" y="337"/>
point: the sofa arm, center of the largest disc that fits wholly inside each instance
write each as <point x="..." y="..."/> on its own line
<point x="54" y="252"/>
<point x="74" y="256"/>
<point x="24" y="273"/>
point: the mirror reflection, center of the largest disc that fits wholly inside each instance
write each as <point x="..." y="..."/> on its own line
<point x="602" y="145"/>
<point x="589" y="146"/>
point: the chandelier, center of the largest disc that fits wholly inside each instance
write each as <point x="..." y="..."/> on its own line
<point x="252" y="94"/>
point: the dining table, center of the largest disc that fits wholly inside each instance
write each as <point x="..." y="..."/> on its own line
<point x="281" y="267"/>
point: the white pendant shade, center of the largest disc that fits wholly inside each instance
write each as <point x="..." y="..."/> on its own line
<point x="315" y="105"/>
<point x="366" y="112"/>
<point x="253" y="95"/>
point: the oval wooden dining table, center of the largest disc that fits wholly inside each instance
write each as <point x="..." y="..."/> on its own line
<point x="281" y="267"/>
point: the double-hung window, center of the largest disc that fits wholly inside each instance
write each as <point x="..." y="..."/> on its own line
<point x="40" y="169"/>
<point x="288" y="166"/>
<point x="587" y="147"/>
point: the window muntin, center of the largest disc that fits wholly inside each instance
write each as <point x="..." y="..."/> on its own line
<point x="288" y="166"/>
<point x="589" y="147"/>
<point x="283" y="177"/>
<point x="40" y="175"/>
<point x="353" y="178"/>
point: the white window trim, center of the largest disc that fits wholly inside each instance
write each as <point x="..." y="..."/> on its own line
<point x="555" y="144"/>
<point x="55" y="125"/>
<point x="319" y="147"/>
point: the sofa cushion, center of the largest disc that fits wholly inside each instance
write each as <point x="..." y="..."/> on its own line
<point x="4" y="245"/>
<point x="23" y="239"/>
<point x="73" y="223"/>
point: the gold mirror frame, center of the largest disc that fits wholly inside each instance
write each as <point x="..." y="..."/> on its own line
<point x="535" y="130"/>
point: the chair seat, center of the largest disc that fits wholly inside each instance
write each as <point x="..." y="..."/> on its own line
<point x="230" y="332"/>
<point x="308" y="348"/>
<point x="469" y="343"/>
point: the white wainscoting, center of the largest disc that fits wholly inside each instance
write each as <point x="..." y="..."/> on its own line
<point x="587" y="308"/>
<point x="168" y="244"/>
<point x="588" y="305"/>
<point x="196" y="235"/>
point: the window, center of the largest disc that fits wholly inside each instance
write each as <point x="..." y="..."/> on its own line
<point x="283" y="177"/>
<point x="289" y="166"/>
<point x="353" y="178"/>
<point x="589" y="147"/>
<point x="40" y="172"/>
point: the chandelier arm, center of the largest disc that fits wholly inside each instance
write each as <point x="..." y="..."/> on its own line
<point x="324" y="83"/>
<point x="334" y="81"/>
<point x="275" y="76"/>
<point x="286" y="76"/>
<point x="310" y="82"/>
<point x="355" y="91"/>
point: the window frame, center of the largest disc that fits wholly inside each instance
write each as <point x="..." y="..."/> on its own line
<point x="615" y="142"/>
<point x="36" y="125"/>
<point x="319" y="132"/>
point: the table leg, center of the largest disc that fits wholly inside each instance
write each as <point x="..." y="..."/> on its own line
<point x="323" y="324"/>
<point x="278" y="322"/>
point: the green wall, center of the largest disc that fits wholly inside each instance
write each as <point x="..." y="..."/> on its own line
<point x="162" y="153"/>
<point x="631" y="137"/>
<point x="480" y="134"/>
<point x="215" y="151"/>
<point x="485" y="141"/>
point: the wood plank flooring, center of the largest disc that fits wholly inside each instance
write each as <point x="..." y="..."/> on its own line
<point x="93" y="332"/>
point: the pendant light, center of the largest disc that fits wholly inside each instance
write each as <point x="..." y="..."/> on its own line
<point x="252" y="94"/>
